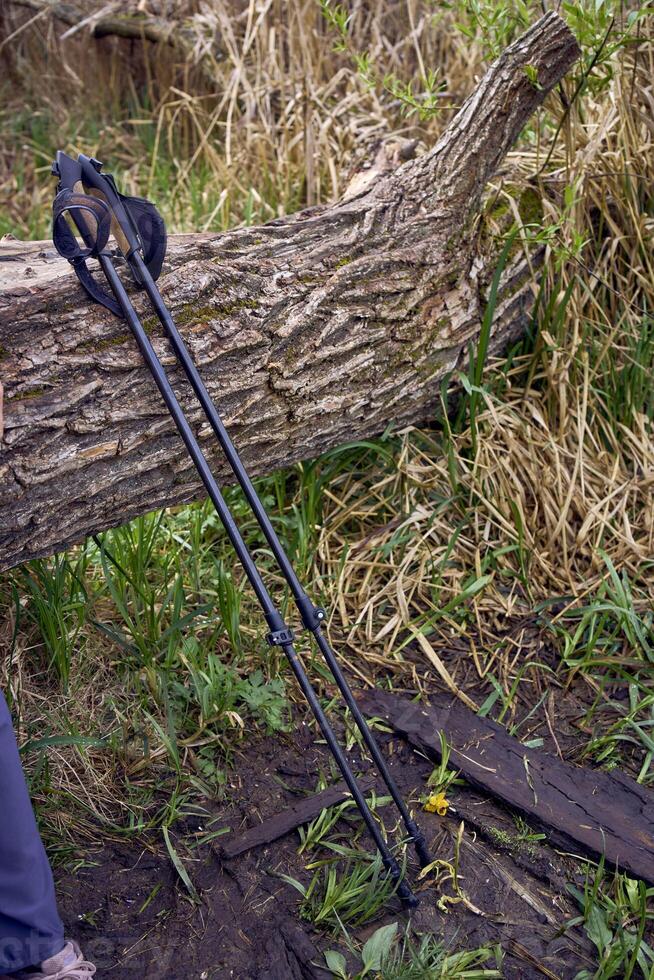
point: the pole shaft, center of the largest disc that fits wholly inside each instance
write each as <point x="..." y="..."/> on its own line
<point x="203" y="396"/>
<point x="187" y="435"/>
<point x="273" y="616"/>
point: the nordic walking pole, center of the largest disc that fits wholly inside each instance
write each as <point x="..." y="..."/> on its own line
<point x="312" y="616"/>
<point x="94" y="220"/>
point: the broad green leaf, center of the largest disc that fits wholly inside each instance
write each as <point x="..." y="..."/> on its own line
<point x="336" y="963"/>
<point x="378" y="947"/>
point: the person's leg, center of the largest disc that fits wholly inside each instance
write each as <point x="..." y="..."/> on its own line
<point x="30" y="928"/>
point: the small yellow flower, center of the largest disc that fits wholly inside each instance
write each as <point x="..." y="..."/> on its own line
<point x="437" y="803"/>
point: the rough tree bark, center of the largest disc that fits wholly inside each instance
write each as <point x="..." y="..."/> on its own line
<point x="310" y="330"/>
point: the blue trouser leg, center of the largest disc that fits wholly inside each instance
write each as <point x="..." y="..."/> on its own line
<point x="30" y="927"/>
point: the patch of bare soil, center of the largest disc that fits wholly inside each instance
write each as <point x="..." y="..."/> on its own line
<point x="130" y="910"/>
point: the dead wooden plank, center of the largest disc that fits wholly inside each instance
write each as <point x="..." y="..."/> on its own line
<point x="599" y="812"/>
<point x="283" y="823"/>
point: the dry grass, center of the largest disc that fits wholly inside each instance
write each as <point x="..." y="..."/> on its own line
<point x="563" y="468"/>
<point x="264" y="117"/>
<point x="527" y="521"/>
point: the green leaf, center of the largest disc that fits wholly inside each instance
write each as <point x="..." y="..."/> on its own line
<point x="81" y="741"/>
<point x="179" y="867"/>
<point x="597" y="929"/>
<point x="295" y="883"/>
<point x="378" y="947"/>
<point x="336" y="963"/>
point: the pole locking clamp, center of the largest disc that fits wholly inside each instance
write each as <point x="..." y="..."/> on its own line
<point x="279" y="638"/>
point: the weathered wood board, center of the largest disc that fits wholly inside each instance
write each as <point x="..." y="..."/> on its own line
<point x="599" y="812"/>
<point x="283" y="823"/>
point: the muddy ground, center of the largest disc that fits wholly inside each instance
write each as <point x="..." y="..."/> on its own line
<point x="247" y="925"/>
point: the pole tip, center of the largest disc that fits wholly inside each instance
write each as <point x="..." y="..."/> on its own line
<point x="424" y="856"/>
<point x="408" y="898"/>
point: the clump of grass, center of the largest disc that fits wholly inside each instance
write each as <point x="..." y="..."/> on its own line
<point x="351" y="889"/>
<point x="427" y="957"/>
<point x="320" y="831"/>
<point x="523" y="839"/>
<point x="168" y="690"/>
<point x="609" y="639"/>
<point x="614" y="915"/>
<point x="414" y="958"/>
<point x="55" y="604"/>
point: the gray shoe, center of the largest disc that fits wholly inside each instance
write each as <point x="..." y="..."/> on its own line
<point x="69" y="964"/>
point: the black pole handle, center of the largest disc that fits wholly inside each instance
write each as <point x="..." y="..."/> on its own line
<point x="85" y="174"/>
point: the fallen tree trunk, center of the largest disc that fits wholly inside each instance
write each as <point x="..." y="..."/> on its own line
<point x="310" y="331"/>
